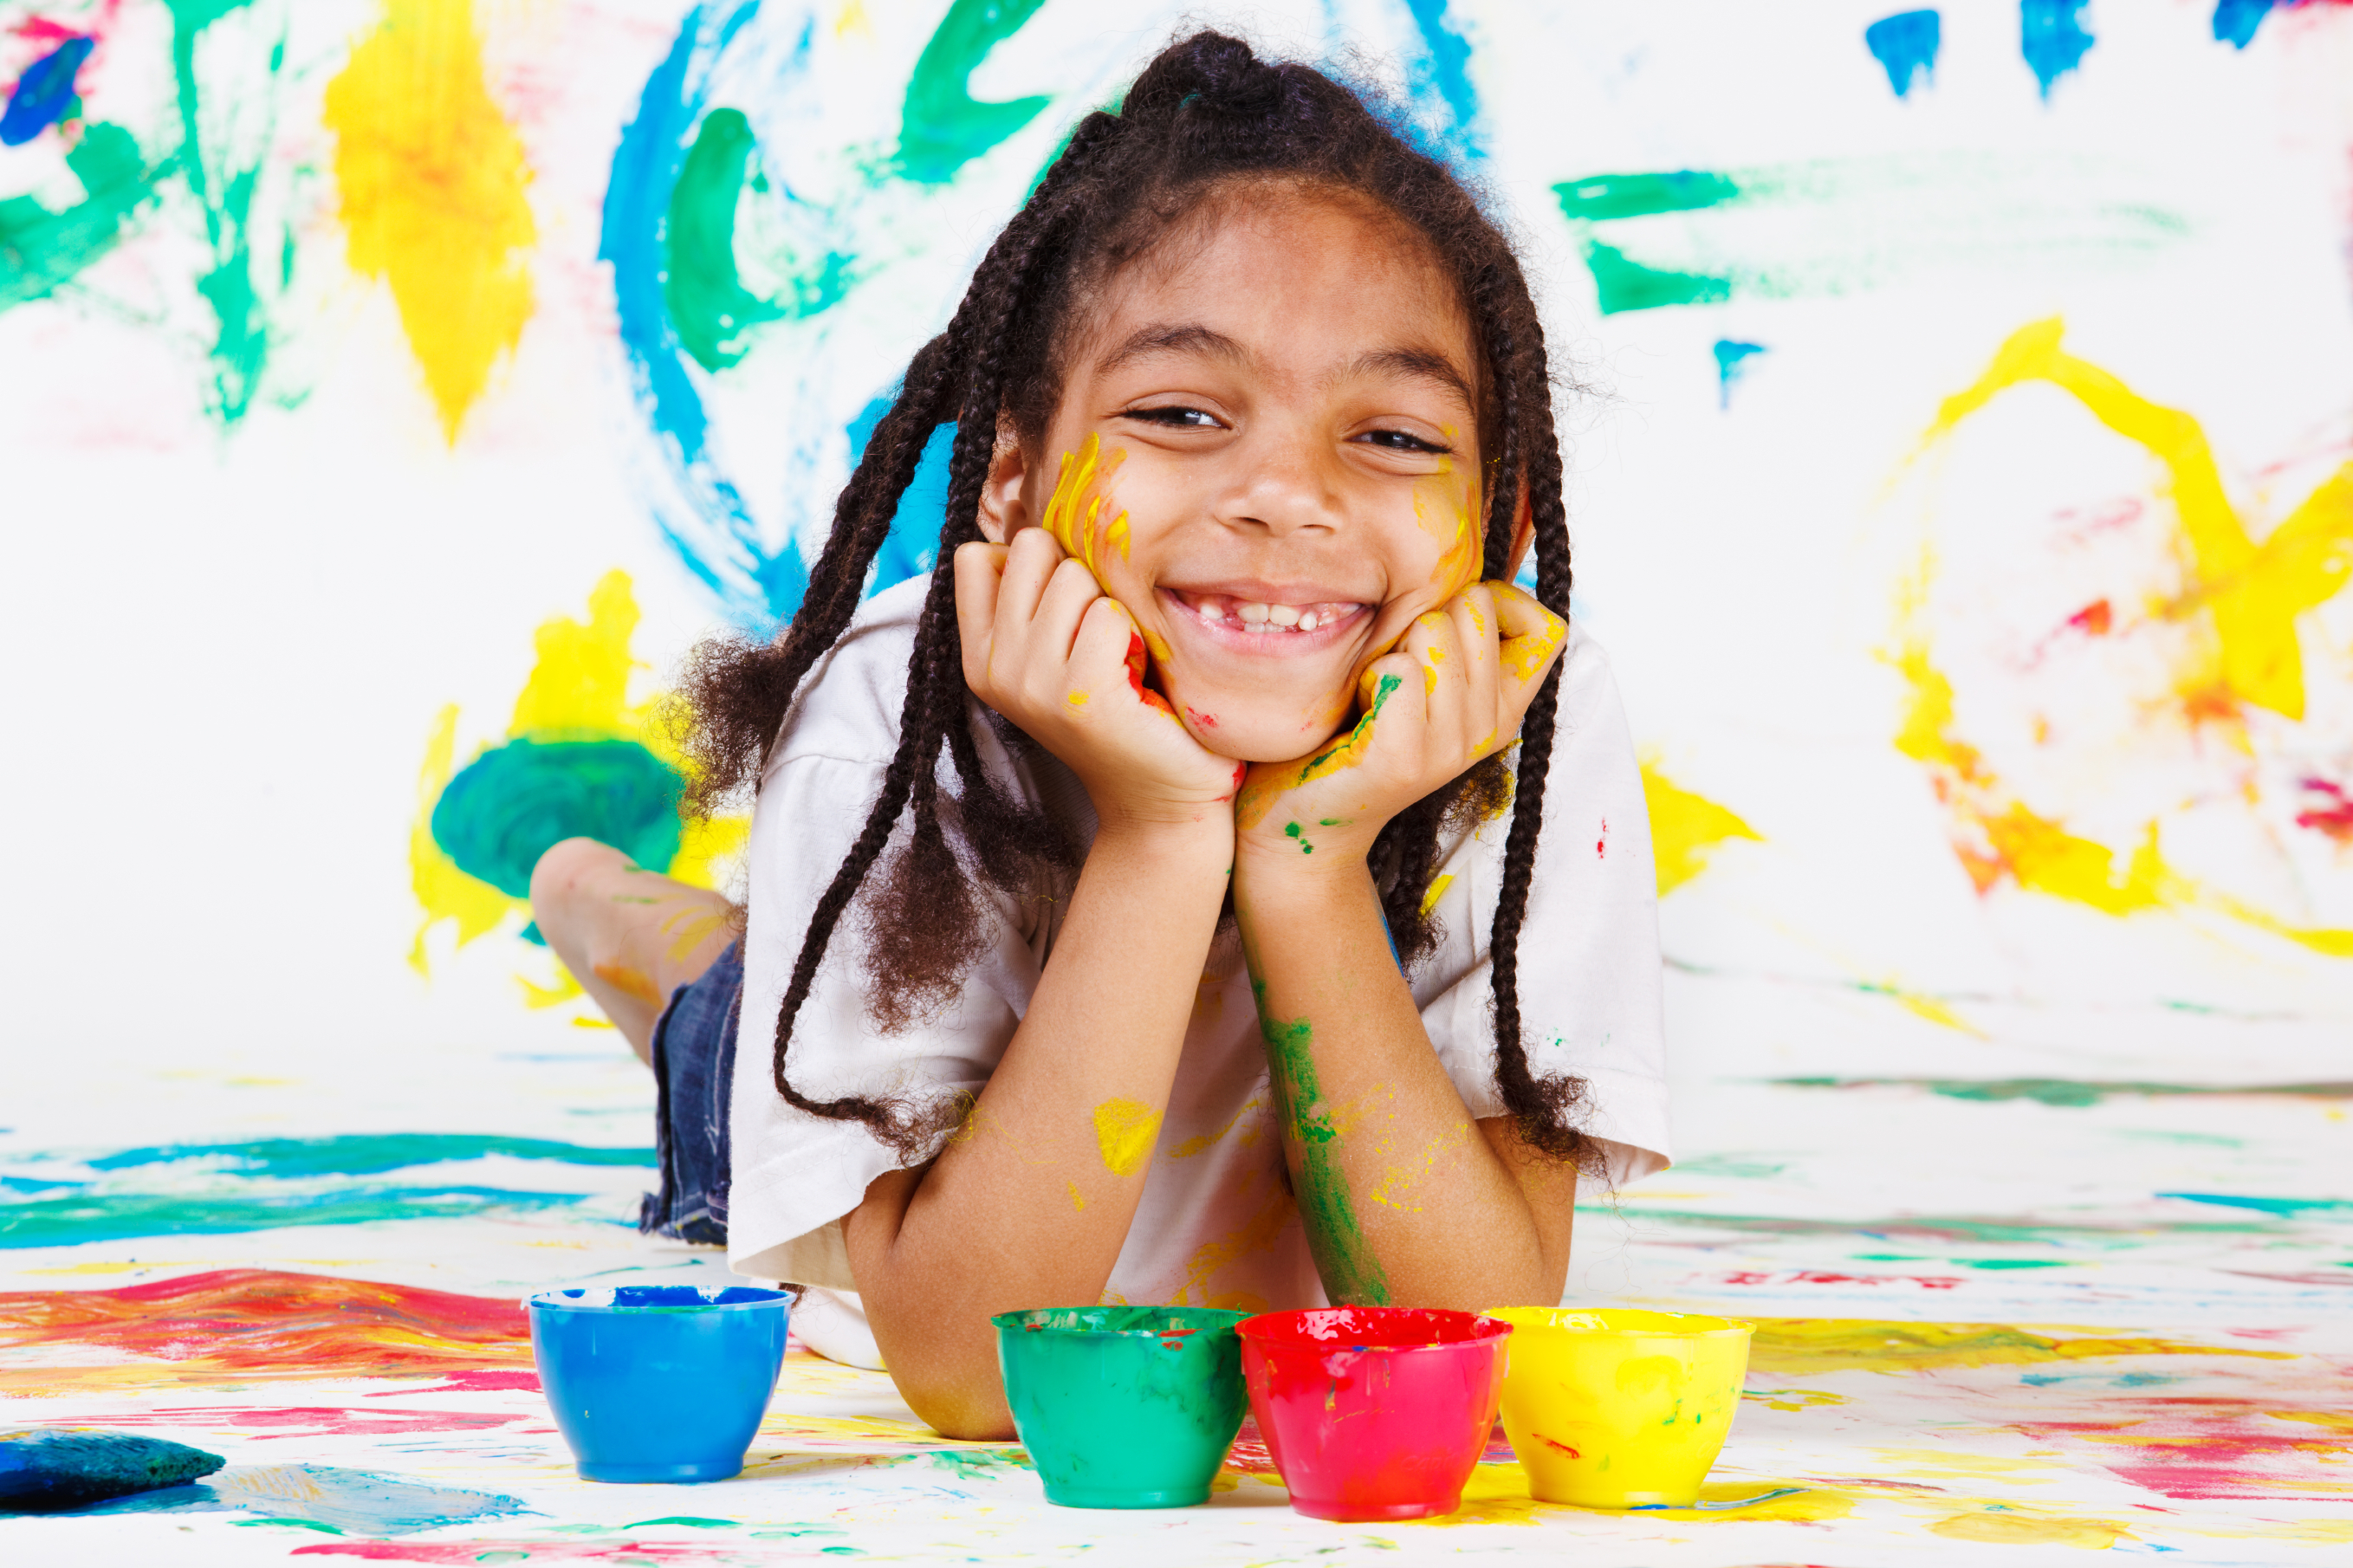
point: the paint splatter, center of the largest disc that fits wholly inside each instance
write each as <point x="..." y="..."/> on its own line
<point x="2235" y="21"/>
<point x="80" y="1218"/>
<point x="942" y="126"/>
<point x="1257" y="798"/>
<point x="44" y="94"/>
<point x="1732" y="358"/>
<point x="2051" y="39"/>
<point x="433" y="177"/>
<point x="1856" y="225"/>
<point x="1125" y="1131"/>
<point x="2329" y="809"/>
<point x="1906" y="46"/>
<point x="2069" y="1093"/>
<point x="913" y="545"/>
<point x="707" y="302"/>
<point x="1798" y="1347"/>
<point x="42" y="250"/>
<point x="1080" y="515"/>
<point x="325" y="1497"/>
<point x="1686" y="829"/>
<point x="1351" y="1272"/>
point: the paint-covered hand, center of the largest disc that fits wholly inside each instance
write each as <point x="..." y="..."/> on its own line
<point x="1453" y="690"/>
<point x="1044" y="646"/>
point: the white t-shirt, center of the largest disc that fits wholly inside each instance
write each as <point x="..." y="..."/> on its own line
<point x="1216" y="1226"/>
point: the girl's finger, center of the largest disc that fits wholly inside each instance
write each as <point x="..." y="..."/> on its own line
<point x="1532" y="638"/>
<point x="1437" y="651"/>
<point x="979" y="572"/>
<point x="1473" y="614"/>
<point x="1069" y="594"/>
<point x="1029" y="563"/>
<point x="1099" y="649"/>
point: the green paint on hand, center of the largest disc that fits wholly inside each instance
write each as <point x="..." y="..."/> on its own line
<point x="1352" y="1275"/>
<point x="42" y="251"/>
<point x="943" y="127"/>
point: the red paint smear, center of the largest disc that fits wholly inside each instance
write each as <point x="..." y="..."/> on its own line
<point x="342" y="1421"/>
<point x="2332" y="813"/>
<point x="1818" y="1276"/>
<point x="261" y="1322"/>
<point x="1135" y="675"/>
<point x="1601" y="845"/>
<point x="1554" y="1443"/>
<point x="471" y="1382"/>
<point x="2204" y="1447"/>
<point x="1207" y="721"/>
<point x="2095" y="617"/>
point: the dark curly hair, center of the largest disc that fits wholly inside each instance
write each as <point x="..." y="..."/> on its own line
<point x="1207" y="117"/>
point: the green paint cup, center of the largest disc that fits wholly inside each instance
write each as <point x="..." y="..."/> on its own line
<point x="1123" y="1406"/>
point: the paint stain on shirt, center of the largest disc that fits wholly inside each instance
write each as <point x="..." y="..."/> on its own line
<point x="1124" y="1132"/>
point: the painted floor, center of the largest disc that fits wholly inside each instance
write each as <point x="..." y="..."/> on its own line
<point x="2006" y="1320"/>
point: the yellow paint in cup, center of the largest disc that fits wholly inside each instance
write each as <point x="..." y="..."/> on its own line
<point x="1621" y="1408"/>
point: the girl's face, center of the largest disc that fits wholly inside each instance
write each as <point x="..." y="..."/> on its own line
<point x="1266" y="451"/>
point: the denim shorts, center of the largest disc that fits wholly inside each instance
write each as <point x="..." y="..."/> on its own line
<point x="694" y="1064"/>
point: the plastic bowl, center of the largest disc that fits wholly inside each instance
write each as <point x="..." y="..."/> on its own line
<point x="1123" y="1406"/>
<point x="658" y="1383"/>
<point x="1621" y="1408"/>
<point x="1374" y="1412"/>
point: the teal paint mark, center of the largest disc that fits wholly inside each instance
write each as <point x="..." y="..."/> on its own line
<point x="708" y="303"/>
<point x="1726" y="1165"/>
<point x="222" y="186"/>
<point x="2069" y="1093"/>
<point x="367" y="1154"/>
<point x="1856" y="225"/>
<point x="1906" y="46"/>
<point x="942" y="126"/>
<point x="44" y="94"/>
<point x="912" y="546"/>
<point x="2053" y="38"/>
<point x="1732" y="358"/>
<point x="42" y="251"/>
<point x="2287" y="1209"/>
<point x="1949" y="1230"/>
<point x="1352" y="1274"/>
<point x="325" y="1498"/>
<point x="688" y="1520"/>
<point x="124" y="1216"/>
<point x="2009" y="1262"/>
<point x="508" y="805"/>
<point x="1600" y="197"/>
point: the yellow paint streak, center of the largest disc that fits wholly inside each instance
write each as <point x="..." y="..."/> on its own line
<point x="445" y="892"/>
<point x="690" y="927"/>
<point x="705" y="842"/>
<point x="631" y="983"/>
<point x="1256" y="1234"/>
<point x="1437" y="891"/>
<point x="1399" y="1181"/>
<point x="1686" y="828"/>
<point x="1498" y="1494"/>
<point x="1446" y="505"/>
<point x="1796" y="1347"/>
<point x="1199" y="1142"/>
<point x="1078" y="517"/>
<point x="1077" y="1199"/>
<point x="432" y="179"/>
<point x="1124" y="1130"/>
<point x="1794" y="1398"/>
<point x="2011" y="1527"/>
<point x="1077" y="700"/>
<point x="2254" y="593"/>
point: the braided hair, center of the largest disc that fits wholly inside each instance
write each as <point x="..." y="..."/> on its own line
<point x="1205" y="116"/>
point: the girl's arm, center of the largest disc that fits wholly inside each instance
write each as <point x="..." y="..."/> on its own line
<point x="1404" y="1198"/>
<point x="1029" y="1204"/>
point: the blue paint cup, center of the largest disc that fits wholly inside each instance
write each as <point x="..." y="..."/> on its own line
<point x="658" y="1383"/>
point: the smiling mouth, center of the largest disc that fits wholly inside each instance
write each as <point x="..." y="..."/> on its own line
<point x="1251" y="619"/>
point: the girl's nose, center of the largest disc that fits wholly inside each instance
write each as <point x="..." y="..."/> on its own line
<point x="1284" y="487"/>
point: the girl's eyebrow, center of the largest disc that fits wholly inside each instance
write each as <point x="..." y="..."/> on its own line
<point x="1191" y="339"/>
<point x="1172" y="338"/>
<point x="1410" y="365"/>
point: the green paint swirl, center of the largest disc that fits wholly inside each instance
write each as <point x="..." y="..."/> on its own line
<point x="943" y="127"/>
<point x="1352" y="1274"/>
<point x="42" y="251"/>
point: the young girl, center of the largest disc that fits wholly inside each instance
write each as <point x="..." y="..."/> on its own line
<point x="1215" y="883"/>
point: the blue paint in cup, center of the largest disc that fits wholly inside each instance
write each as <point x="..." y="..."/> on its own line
<point x="658" y="1383"/>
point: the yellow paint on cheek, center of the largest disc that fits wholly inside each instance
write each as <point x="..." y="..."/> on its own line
<point x="1124" y="1130"/>
<point x="1446" y="505"/>
<point x="1077" y="516"/>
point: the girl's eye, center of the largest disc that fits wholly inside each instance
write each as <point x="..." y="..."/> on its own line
<point x="1175" y="417"/>
<point x="1400" y="441"/>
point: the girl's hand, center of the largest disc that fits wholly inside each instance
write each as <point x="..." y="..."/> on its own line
<point x="1451" y="691"/>
<point x="1044" y="646"/>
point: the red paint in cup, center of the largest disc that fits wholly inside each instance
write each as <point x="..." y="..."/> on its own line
<point x="1374" y="1412"/>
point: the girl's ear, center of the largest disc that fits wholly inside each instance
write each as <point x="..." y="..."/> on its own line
<point x="1003" y="510"/>
<point x="1524" y="533"/>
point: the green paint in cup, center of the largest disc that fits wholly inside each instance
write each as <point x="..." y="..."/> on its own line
<point x="1123" y="1406"/>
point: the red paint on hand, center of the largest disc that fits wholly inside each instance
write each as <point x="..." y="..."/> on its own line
<point x="1135" y="675"/>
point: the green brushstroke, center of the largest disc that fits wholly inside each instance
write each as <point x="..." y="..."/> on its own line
<point x="368" y="1153"/>
<point x="1689" y="236"/>
<point x="223" y="186"/>
<point x="942" y="126"/>
<point x="42" y="250"/>
<point x="2287" y="1209"/>
<point x="709" y="305"/>
<point x="122" y="1216"/>
<point x="2069" y="1092"/>
<point x="1604" y="196"/>
<point x="1352" y="1275"/>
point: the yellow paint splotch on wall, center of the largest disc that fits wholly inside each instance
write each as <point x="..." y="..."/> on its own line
<point x="446" y="892"/>
<point x="432" y="178"/>
<point x="1686" y="828"/>
<point x="1124" y="1130"/>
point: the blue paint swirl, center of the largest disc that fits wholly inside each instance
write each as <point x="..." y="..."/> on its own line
<point x="44" y="94"/>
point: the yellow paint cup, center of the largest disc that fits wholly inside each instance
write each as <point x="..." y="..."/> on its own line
<point x="1621" y="1408"/>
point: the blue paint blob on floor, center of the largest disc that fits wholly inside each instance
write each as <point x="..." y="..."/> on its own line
<point x="1906" y="46"/>
<point x="912" y="547"/>
<point x="2053" y="38"/>
<point x="44" y="94"/>
<point x="1732" y="357"/>
<point x="326" y="1497"/>
<point x="508" y="805"/>
<point x="2235" y="21"/>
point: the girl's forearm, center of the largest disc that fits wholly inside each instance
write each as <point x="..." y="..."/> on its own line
<point x="1031" y="1201"/>
<point x="1405" y="1200"/>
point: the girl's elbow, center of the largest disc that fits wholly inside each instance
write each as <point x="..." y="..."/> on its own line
<point x="959" y="1408"/>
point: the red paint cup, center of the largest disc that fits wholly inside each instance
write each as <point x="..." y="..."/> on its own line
<point x="1374" y="1412"/>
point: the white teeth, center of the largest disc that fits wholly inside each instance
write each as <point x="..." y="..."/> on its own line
<point x="1307" y="622"/>
<point x="1259" y="617"/>
<point x="1282" y="615"/>
<point x="1254" y="615"/>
